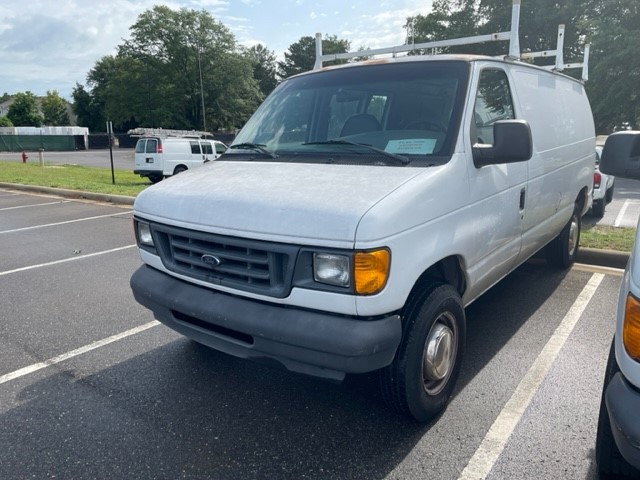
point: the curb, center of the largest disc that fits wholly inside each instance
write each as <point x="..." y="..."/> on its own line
<point x="63" y="192"/>
<point x="589" y="256"/>
<point x="605" y="258"/>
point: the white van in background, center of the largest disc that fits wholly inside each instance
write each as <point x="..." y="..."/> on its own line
<point x="157" y="157"/>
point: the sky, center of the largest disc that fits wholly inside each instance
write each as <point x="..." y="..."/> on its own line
<point x="52" y="44"/>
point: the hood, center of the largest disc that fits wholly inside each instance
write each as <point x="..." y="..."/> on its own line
<point x="283" y="202"/>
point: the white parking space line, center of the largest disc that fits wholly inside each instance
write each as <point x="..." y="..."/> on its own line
<point x="65" y="260"/>
<point x="24" y="229"/>
<point x="496" y="438"/>
<point x="620" y="216"/>
<point x="74" y="353"/>
<point x="35" y="205"/>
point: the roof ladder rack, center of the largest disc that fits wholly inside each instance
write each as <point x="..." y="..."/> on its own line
<point x="165" y="132"/>
<point x="559" y="63"/>
<point x="512" y="36"/>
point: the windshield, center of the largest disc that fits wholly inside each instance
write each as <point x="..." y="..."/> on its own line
<point x="405" y="110"/>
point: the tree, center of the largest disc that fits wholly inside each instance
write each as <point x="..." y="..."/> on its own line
<point x="89" y="113"/>
<point x="188" y="71"/>
<point x="301" y="55"/>
<point x="24" y="110"/>
<point x="264" y="68"/>
<point x="54" y="109"/>
<point x="614" y="75"/>
<point x="5" y="122"/>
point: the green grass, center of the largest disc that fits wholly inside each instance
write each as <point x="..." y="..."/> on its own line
<point x="74" y="177"/>
<point x="605" y="237"/>
<point x="98" y="180"/>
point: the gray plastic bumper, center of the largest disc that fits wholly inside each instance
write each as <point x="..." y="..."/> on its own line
<point x="623" y="405"/>
<point x="311" y="342"/>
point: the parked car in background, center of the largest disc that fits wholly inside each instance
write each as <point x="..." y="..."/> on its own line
<point x="618" y="438"/>
<point x="603" y="186"/>
<point x="167" y="152"/>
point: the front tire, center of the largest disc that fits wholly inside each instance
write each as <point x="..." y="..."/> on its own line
<point x="563" y="250"/>
<point x="422" y="377"/>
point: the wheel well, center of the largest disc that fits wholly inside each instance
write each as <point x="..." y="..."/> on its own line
<point x="180" y="168"/>
<point x="448" y="270"/>
<point x="582" y="202"/>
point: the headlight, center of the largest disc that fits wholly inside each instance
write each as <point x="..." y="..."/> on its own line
<point x="631" y="328"/>
<point x="332" y="269"/>
<point x="143" y="233"/>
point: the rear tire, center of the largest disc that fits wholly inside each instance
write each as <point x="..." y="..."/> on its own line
<point x="563" y="250"/>
<point x="422" y="377"/>
<point x="155" y="178"/>
<point x="609" y="194"/>
<point x="598" y="207"/>
<point x="179" y="169"/>
<point x="610" y="461"/>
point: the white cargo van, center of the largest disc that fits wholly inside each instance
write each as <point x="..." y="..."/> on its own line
<point x="158" y="157"/>
<point x="362" y="207"/>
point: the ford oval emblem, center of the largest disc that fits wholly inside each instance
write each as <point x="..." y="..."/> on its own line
<point x="211" y="260"/>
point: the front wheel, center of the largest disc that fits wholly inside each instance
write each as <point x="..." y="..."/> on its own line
<point x="422" y="377"/>
<point x="563" y="250"/>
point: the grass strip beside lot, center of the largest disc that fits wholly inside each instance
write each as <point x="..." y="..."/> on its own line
<point x="74" y="177"/>
<point x="604" y="237"/>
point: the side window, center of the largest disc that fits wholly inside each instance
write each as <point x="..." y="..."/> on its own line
<point x="220" y="148"/>
<point x="195" y="147"/>
<point x="152" y="145"/>
<point x="206" y="148"/>
<point x="493" y="103"/>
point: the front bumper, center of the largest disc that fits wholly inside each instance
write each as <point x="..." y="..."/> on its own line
<point x="146" y="172"/>
<point x="315" y="343"/>
<point x="623" y="405"/>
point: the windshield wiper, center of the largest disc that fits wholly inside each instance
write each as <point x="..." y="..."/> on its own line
<point x="399" y="158"/>
<point x="259" y="147"/>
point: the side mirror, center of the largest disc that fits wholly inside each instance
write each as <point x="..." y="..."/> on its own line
<point x="621" y="155"/>
<point x="512" y="143"/>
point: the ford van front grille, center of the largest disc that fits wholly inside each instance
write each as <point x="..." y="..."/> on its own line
<point x="254" y="266"/>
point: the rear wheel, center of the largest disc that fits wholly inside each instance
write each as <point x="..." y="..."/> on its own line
<point x="563" y="249"/>
<point x="155" y="178"/>
<point x="598" y="207"/>
<point x="610" y="461"/>
<point x="422" y="377"/>
<point x="609" y="194"/>
<point x="179" y="169"/>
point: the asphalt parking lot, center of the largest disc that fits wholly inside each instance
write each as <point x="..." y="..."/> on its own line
<point x="92" y="387"/>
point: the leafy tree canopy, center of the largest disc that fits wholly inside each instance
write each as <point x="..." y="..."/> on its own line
<point x="24" y="110"/>
<point x="264" y="68"/>
<point x="179" y="69"/>
<point x="54" y="109"/>
<point x="301" y="55"/>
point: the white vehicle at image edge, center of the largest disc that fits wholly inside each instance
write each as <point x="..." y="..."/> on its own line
<point x="603" y="186"/>
<point x="618" y="439"/>
<point x="157" y="157"/>
<point x="362" y="208"/>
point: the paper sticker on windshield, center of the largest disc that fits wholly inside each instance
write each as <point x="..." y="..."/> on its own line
<point x="411" y="146"/>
